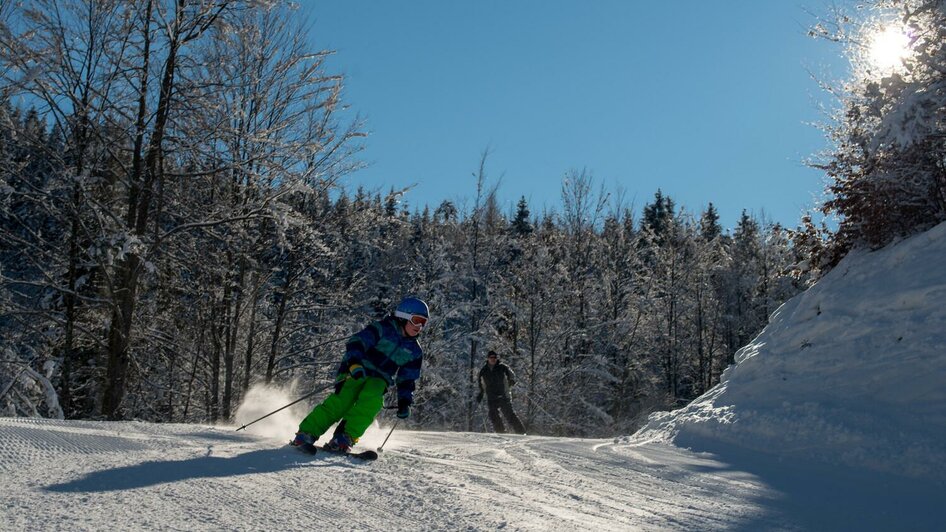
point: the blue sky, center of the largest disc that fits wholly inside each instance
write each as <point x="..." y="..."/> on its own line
<point x="710" y="101"/>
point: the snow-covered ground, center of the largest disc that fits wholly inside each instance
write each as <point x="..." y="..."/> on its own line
<point x="137" y="476"/>
<point x="834" y="418"/>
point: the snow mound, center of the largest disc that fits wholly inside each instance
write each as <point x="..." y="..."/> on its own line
<point x="851" y="372"/>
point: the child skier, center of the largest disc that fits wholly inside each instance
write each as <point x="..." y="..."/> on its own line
<point x="384" y="353"/>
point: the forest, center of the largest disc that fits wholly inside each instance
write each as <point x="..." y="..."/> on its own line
<point x="175" y="230"/>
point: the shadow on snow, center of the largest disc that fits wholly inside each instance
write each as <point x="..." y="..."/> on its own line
<point x="165" y="472"/>
<point x="815" y="496"/>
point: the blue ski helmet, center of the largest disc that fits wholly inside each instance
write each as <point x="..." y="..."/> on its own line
<point x="411" y="306"/>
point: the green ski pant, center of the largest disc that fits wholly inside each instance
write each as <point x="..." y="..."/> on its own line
<point x="359" y="401"/>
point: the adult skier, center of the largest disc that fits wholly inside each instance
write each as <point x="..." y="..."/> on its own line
<point x="495" y="381"/>
<point x="385" y="353"/>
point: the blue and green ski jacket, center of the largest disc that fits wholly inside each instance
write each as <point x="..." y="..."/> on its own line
<point x="383" y="351"/>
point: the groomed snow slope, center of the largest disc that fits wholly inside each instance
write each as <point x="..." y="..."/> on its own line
<point x="74" y="475"/>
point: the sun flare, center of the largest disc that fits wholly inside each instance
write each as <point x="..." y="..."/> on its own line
<point x="888" y="48"/>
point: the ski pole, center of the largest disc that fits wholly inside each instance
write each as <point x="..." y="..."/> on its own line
<point x="306" y="396"/>
<point x="389" y="435"/>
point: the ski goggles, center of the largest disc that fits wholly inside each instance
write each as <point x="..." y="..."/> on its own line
<point x="416" y="319"/>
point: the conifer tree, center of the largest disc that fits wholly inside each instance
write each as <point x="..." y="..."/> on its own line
<point x="521" y="225"/>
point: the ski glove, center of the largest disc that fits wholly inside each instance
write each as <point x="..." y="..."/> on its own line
<point x="403" y="408"/>
<point x="356" y="371"/>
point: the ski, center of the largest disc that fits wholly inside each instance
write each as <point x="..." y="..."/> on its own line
<point x="315" y="449"/>
<point x="363" y="455"/>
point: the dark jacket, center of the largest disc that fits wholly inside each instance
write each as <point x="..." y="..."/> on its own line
<point x="493" y="380"/>
<point x="384" y="352"/>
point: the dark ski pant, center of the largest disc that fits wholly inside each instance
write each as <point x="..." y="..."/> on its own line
<point x="503" y="403"/>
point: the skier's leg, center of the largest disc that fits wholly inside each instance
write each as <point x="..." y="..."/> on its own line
<point x="331" y="409"/>
<point x="495" y="417"/>
<point x="512" y="417"/>
<point x="367" y="405"/>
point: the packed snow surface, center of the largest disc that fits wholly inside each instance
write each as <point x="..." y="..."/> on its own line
<point x="833" y="418"/>
<point x="74" y="475"/>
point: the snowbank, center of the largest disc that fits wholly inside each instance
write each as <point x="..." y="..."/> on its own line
<point x="851" y="372"/>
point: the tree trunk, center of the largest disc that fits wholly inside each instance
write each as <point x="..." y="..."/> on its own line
<point x="193" y="375"/>
<point x="118" y="337"/>
<point x="533" y="346"/>
<point x="213" y="405"/>
<point x="250" y="339"/>
<point x="137" y="218"/>
<point x="277" y="331"/>
<point x="69" y="362"/>
<point x="700" y="351"/>
<point x="228" y="332"/>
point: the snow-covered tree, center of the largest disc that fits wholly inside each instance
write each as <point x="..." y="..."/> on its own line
<point x="889" y="135"/>
<point x="186" y="129"/>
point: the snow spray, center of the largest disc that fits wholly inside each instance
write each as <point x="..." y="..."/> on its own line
<point x="262" y="399"/>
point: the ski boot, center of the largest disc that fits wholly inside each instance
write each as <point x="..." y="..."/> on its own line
<point x="305" y="442"/>
<point x="341" y="443"/>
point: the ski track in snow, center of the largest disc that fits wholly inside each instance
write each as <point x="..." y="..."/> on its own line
<point x="84" y="475"/>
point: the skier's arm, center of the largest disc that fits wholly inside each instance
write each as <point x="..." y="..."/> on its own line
<point x="357" y="346"/>
<point x="407" y="375"/>
<point x="510" y="376"/>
